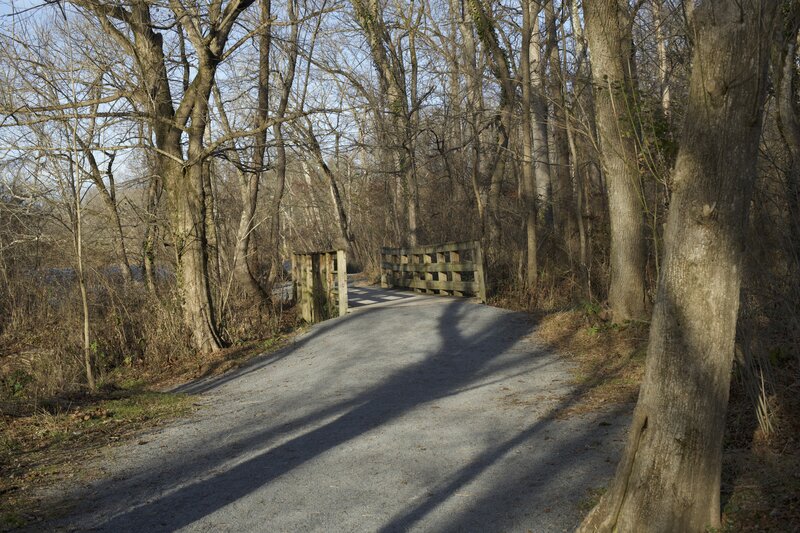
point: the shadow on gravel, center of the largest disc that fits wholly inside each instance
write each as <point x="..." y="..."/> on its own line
<point x="462" y="361"/>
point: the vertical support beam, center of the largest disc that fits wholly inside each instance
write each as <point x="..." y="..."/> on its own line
<point x="426" y="260"/>
<point x="416" y="260"/>
<point x="341" y="275"/>
<point x="307" y="309"/>
<point x="330" y="285"/>
<point x="455" y="258"/>
<point x="318" y="292"/>
<point x="442" y="276"/>
<point x="405" y="260"/>
<point x="294" y="278"/>
<point x="480" y="278"/>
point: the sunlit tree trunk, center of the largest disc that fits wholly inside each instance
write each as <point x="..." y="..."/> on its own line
<point x="669" y="476"/>
<point x="608" y="29"/>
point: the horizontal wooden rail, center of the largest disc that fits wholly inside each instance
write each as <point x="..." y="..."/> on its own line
<point x="320" y="284"/>
<point x="453" y="268"/>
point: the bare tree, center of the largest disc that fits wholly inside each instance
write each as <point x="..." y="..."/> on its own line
<point x="609" y="33"/>
<point x="134" y="28"/>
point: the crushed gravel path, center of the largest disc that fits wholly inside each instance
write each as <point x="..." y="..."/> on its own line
<point x="418" y="414"/>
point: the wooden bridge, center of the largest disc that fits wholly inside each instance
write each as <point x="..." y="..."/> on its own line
<point x="448" y="269"/>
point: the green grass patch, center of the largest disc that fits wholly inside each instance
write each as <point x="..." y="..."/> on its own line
<point x="50" y="446"/>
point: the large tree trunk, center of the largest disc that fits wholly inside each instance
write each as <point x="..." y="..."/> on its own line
<point x="541" y="148"/>
<point x="529" y="13"/>
<point x="786" y="87"/>
<point x="669" y="476"/>
<point x="608" y="29"/>
<point x="187" y="208"/>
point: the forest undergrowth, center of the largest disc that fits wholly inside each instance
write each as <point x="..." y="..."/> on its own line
<point x="761" y="467"/>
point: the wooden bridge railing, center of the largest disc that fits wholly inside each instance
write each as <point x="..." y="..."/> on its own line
<point x="320" y="284"/>
<point x="453" y="268"/>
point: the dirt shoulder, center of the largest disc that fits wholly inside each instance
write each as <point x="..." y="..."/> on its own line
<point x="49" y="445"/>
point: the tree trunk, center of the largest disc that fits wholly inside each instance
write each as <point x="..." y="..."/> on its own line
<point x="669" y="476"/>
<point x="345" y="233"/>
<point x="786" y="86"/>
<point x="564" y="216"/>
<point x="663" y="62"/>
<point x="528" y="162"/>
<point x="151" y="233"/>
<point x="499" y="63"/>
<point x="608" y="28"/>
<point x="244" y="250"/>
<point x="188" y="223"/>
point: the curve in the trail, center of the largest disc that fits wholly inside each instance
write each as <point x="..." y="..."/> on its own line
<point x="414" y="413"/>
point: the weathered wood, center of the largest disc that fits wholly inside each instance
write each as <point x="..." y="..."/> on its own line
<point x="421" y="284"/>
<point x="436" y="268"/>
<point x="466" y="266"/>
<point x="341" y="275"/>
<point x="441" y="276"/>
<point x="320" y="284"/>
<point x="455" y="259"/>
<point x="427" y="276"/>
<point x="432" y="249"/>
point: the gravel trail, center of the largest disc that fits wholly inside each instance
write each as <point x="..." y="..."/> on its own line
<point x="417" y="414"/>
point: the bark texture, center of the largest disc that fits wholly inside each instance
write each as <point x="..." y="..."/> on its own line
<point x="608" y="31"/>
<point x="669" y="476"/>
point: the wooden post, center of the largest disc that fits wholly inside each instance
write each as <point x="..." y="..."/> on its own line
<point x="330" y="285"/>
<point x="480" y="278"/>
<point x="341" y="274"/>
<point x="427" y="276"/>
<point x="455" y="257"/>
<point x="442" y="275"/>
<point x="405" y="260"/>
<point x="294" y="278"/>
<point x="317" y="287"/>
<point x="308" y="283"/>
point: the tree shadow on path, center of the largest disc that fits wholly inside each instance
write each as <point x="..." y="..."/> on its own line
<point x="460" y="361"/>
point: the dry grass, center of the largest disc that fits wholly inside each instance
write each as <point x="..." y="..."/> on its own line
<point x="760" y="474"/>
<point x="50" y="443"/>
<point x="608" y="358"/>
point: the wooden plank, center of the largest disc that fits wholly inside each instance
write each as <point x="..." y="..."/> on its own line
<point x="466" y="266"/>
<point x="463" y="286"/>
<point x="341" y="275"/>
<point x="432" y="249"/>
